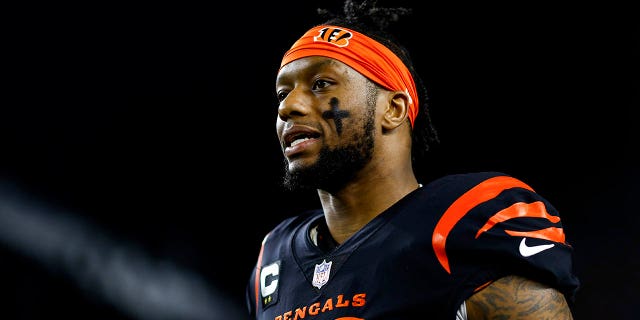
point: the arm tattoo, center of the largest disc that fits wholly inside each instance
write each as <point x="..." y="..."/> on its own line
<point x="514" y="297"/>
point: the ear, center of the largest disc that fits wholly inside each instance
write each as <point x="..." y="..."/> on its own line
<point x="397" y="110"/>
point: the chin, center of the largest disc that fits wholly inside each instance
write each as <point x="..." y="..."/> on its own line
<point x="299" y="165"/>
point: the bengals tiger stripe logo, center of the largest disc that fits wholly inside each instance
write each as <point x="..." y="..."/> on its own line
<point x="334" y="36"/>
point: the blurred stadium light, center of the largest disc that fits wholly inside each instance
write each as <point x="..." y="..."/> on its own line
<point x="114" y="271"/>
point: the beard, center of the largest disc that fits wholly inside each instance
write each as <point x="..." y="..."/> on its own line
<point x="335" y="167"/>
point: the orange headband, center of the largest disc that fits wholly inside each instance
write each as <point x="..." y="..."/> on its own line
<point x="365" y="55"/>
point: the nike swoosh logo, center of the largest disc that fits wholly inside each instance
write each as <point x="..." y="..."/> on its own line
<point x="527" y="251"/>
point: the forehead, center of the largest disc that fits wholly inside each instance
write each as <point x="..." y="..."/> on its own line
<point x="313" y="65"/>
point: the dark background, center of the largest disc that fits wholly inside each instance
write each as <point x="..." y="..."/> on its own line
<point x="156" y="125"/>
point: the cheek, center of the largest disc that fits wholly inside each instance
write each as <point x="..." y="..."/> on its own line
<point x="336" y="114"/>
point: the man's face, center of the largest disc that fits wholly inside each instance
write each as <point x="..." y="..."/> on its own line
<point x="325" y="122"/>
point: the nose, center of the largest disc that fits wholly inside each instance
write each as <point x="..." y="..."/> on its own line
<point x="295" y="104"/>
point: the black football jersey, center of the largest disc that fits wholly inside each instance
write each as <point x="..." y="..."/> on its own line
<point x="421" y="258"/>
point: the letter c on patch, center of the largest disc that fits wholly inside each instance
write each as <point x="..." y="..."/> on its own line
<point x="272" y="270"/>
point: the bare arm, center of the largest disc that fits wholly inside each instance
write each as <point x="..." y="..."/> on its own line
<point x="515" y="297"/>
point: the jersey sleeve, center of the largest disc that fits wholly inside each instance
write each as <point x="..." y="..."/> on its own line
<point x="250" y="295"/>
<point x="500" y="227"/>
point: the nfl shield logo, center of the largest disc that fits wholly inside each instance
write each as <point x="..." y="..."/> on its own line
<point x="321" y="274"/>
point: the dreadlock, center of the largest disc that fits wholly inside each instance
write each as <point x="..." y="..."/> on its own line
<point x="365" y="17"/>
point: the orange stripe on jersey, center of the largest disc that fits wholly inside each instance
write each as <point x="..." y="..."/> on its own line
<point x="518" y="210"/>
<point x="258" y="268"/>
<point x="551" y="234"/>
<point x="484" y="191"/>
<point x="482" y="286"/>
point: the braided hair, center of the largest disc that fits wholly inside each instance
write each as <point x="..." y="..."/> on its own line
<point x="366" y="18"/>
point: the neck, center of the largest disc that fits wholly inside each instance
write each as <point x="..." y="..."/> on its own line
<point x="349" y="209"/>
